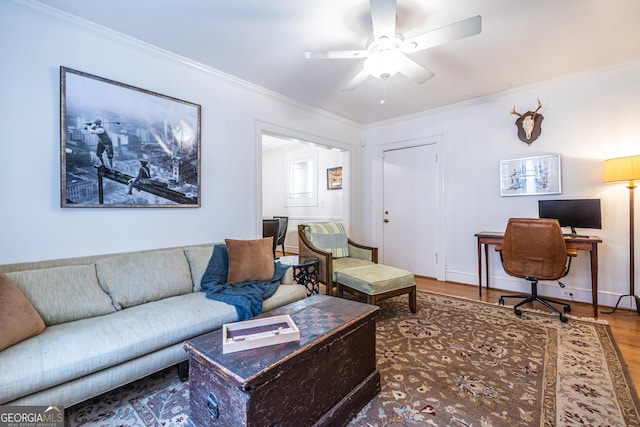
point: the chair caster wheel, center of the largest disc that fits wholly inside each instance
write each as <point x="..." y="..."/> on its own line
<point x="567" y="309"/>
<point x="564" y="319"/>
<point x="501" y="301"/>
<point x="517" y="311"/>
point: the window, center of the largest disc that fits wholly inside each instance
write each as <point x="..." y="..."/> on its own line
<point x="302" y="182"/>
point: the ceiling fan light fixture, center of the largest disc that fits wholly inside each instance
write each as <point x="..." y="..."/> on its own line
<point x="385" y="63"/>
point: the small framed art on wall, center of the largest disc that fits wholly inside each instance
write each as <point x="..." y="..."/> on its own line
<point x="334" y="178"/>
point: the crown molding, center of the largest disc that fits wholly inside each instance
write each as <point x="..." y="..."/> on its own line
<point x="37" y="8"/>
<point x="563" y="80"/>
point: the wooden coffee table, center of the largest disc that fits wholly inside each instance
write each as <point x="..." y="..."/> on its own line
<point x="324" y="379"/>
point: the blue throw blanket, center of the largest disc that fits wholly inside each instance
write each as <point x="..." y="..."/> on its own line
<point x="247" y="297"/>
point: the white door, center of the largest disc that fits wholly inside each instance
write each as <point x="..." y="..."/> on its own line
<point x="411" y="209"/>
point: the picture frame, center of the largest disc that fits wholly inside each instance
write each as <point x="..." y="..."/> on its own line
<point x="529" y="176"/>
<point x="334" y="178"/>
<point x="123" y="146"/>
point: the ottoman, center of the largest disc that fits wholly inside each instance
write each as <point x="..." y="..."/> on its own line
<point x="377" y="282"/>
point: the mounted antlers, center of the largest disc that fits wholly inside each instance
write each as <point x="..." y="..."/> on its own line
<point x="513" y="110"/>
<point x="528" y="124"/>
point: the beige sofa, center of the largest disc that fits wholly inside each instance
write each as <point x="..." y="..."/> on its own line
<point x="110" y="320"/>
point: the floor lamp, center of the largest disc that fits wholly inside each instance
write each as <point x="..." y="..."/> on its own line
<point x="617" y="170"/>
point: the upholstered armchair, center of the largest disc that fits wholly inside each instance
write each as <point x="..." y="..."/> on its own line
<point x="335" y="250"/>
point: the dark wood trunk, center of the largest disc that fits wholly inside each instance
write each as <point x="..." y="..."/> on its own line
<point x="324" y="379"/>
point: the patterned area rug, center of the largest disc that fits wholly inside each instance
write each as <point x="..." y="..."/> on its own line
<point x="457" y="362"/>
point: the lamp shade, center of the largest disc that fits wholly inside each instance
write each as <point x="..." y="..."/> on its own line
<point x="622" y="169"/>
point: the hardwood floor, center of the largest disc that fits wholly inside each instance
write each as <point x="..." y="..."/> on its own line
<point x="625" y="324"/>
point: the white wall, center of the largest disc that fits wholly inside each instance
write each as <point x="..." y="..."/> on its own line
<point x="587" y="118"/>
<point x="35" y="42"/>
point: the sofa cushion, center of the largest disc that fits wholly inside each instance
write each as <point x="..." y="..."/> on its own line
<point x="329" y="237"/>
<point x="284" y="295"/>
<point x="18" y="319"/>
<point x="198" y="258"/>
<point x="342" y="264"/>
<point x="75" y="349"/>
<point x="63" y="294"/>
<point x="375" y="279"/>
<point x="250" y="260"/>
<point x="137" y="278"/>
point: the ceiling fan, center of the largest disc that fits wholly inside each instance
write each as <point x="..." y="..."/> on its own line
<point x="386" y="52"/>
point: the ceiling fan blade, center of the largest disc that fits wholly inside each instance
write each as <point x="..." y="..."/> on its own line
<point x="383" y="18"/>
<point x="416" y="72"/>
<point x="459" y="30"/>
<point x="336" y="54"/>
<point x="359" y="78"/>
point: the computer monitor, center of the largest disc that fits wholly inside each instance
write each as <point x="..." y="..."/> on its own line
<point x="574" y="213"/>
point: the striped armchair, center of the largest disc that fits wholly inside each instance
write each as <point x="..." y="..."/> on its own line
<point x="328" y="241"/>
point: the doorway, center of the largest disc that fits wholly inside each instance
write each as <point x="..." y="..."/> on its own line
<point x="411" y="205"/>
<point x="294" y="174"/>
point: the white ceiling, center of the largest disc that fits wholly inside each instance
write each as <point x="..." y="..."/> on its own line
<point x="259" y="41"/>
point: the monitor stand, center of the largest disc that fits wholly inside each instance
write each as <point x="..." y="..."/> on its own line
<point x="574" y="234"/>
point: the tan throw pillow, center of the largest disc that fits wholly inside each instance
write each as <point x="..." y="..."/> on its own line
<point x="250" y="260"/>
<point x="18" y="319"/>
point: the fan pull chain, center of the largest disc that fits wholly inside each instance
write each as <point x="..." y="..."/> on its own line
<point x="384" y="91"/>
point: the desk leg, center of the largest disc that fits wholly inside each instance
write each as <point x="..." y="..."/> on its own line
<point x="594" y="278"/>
<point x="479" y="267"/>
<point x="486" y="265"/>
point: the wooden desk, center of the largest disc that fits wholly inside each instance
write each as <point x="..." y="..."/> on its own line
<point x="589" y="244"/>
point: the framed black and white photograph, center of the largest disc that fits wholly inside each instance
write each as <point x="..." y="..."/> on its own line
<point x="334" y="178"/>
<point x="122" y="146"/>
<point x="531" y="176"/>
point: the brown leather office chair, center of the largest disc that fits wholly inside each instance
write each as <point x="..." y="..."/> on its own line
<point x="534" y="249"/>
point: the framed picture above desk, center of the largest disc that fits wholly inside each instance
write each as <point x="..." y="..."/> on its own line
<point x="581" y="243"/>
<point x="530" y="176"/>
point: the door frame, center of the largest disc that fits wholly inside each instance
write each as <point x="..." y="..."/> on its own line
<point x="263" y="127"/>
<point x="439" y="141"/>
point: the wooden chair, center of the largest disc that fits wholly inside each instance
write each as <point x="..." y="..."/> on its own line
<point x="270" y="229"/>
<point x="282" y="231"/>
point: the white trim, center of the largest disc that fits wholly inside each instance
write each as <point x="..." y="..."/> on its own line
<point x="534" y="88"/>
<point x="33" y="6"/>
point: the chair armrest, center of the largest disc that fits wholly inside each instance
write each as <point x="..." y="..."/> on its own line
<point x="325" y="264"/>
<point x="572" y="252"/>
<point x="360" y="251"/>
